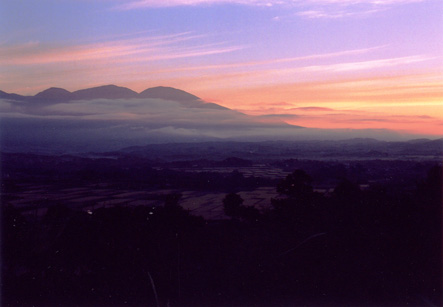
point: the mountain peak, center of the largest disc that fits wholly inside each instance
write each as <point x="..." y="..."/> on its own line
<point x="168" y="93"/>
<point x="53" y="94"/>
<point x="106" y="91"/>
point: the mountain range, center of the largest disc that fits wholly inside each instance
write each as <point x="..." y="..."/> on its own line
<point x="111" y="117"/>
<point x="59" y="95"/>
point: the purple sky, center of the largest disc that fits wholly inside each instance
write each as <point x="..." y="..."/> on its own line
<point x="334" y="64"/>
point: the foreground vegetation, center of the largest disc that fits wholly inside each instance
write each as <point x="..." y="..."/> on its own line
<point x="373" y="247"/>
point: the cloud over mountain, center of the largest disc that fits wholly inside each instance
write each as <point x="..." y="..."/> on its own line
<point x="111" y="117"/>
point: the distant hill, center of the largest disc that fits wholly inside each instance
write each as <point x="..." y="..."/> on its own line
<point x="169" y="93"/>
<point x="53" y="94"/>
<point x="5" y="95"/>
<point x="106" y="91"/>
<point x="261" y="151"/>
<point x="173" y="94"/>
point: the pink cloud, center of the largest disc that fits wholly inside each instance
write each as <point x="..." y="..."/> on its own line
<point x="129" y="50"/>
<point x="313" y="109"/>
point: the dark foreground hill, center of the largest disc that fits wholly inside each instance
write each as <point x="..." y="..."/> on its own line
<point x="352" y="247"/>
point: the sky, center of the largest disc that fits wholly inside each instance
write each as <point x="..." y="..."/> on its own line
<point x="350" y="64"/>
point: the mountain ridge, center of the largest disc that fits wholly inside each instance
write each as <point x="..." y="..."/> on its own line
<point x="54" y="95"/>
<point x="165" y="92"/>
<point x="57" y="119"/>
<point x="105" y="91"/>
<point x="109" y="91"/>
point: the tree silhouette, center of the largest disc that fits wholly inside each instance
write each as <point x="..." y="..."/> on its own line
<point x="347" y="191"/>
<point x="297" y="184"/>
<point x="232" y="205"/>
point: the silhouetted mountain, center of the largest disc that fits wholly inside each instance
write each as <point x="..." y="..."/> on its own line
<point x="106" y="91"/>
<point x="364" y="141"/>
<point x="57" y="95"/>
<point x="5" y="95"/>
<point x="168" y="93"/>
<point x="165" y="115"/>
<point x="437" y="141"/>
<point x="424" y="146"/>
<point x="262" y="151"/>
<point x="418" y="141"/>
<point x="173" y="94"/>
<point x="53" y="94"/>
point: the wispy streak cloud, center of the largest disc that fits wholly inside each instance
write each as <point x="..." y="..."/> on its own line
<point x="307" y="9"/>
<point x="172" y="3"/>
<point x="333" y="9"/>
<point x="126" y="50"/>
<point x="284" y="60"/>
<point x="264" y="76"/>
<point x="268" y="3"/>
<point x="365" y="65"/>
